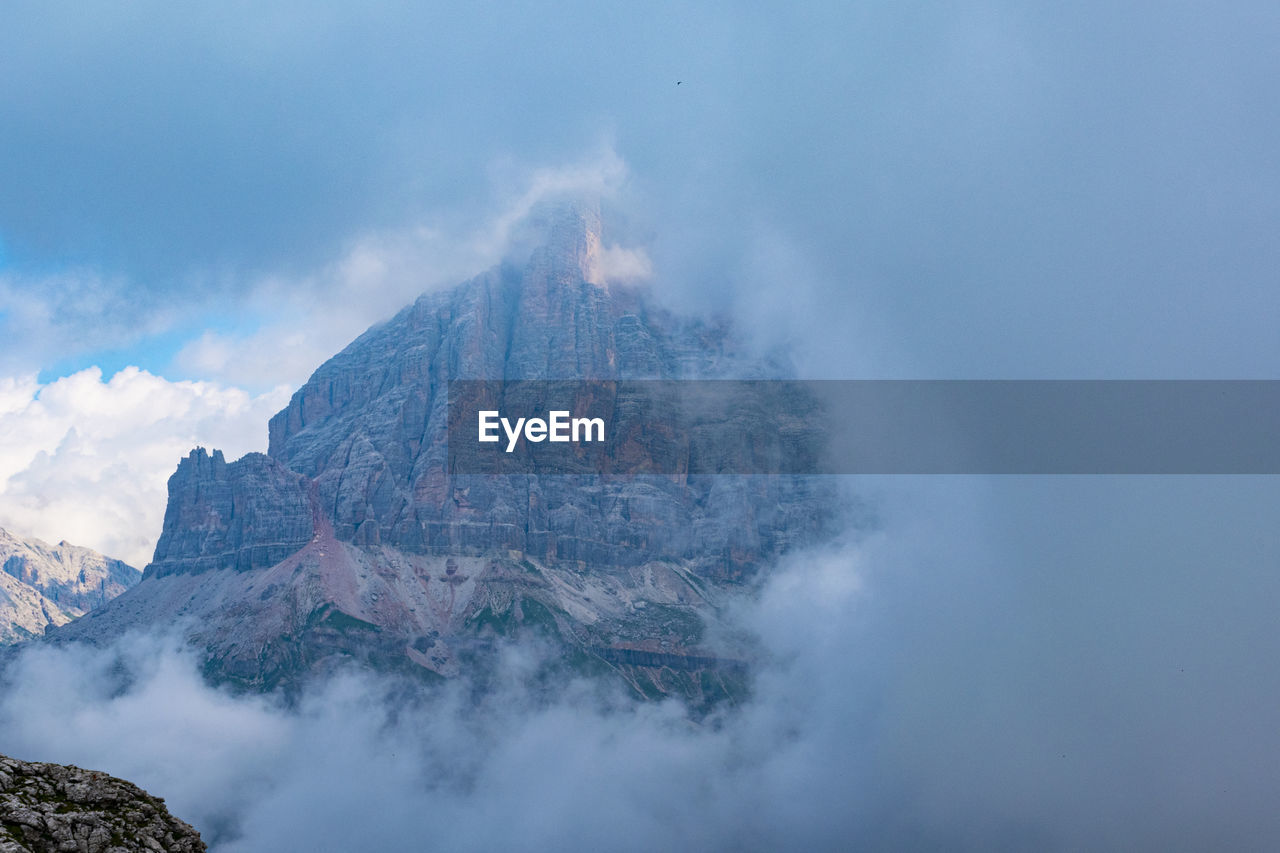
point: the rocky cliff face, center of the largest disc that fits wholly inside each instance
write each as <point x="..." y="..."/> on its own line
<point x="369" y="428"/>
<point x="248" y="515"/>
<point x="350" y="537"/>
<point x="49" y="807"/>
<point x="43" y="585"/>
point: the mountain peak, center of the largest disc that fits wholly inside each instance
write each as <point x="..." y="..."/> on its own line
<point x="570" y="249"/>
<point x="43" y="585"/>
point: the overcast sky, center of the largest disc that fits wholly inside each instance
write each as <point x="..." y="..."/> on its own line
<point x="997" y="188"/>
<point x="198" y="204"/>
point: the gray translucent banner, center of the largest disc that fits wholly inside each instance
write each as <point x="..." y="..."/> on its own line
<point x="622" y="428"/>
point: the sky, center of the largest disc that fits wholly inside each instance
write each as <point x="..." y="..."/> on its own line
<point x="198" y="205"/>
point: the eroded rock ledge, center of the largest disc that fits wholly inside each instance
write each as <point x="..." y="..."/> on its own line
<point x="51" y="807"/>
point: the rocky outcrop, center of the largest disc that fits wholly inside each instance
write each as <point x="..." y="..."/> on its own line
<point x="43" y="585"/>
<point x="247" y="515"/>
<point x="50" y="807"/>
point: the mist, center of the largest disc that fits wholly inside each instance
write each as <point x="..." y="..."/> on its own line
<point x="1038" y="662"/>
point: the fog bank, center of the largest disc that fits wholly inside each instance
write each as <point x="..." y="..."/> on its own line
<point x="1050" y="663"/>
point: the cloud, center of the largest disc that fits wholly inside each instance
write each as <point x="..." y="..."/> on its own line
<point x="204" y="143"/>
<point x="356" y="766"/>
<point x="309" y="317"/>
<point x="146" y="690"/>
<point x="86" y="459"/>
<point x="1004" y="191"/>
<point x="623" y="265"/>
<point x="51" y="316"/>
<point x="1047" y="663"/>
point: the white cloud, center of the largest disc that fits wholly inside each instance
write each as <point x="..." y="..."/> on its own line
<point x="623" y="265"/>
<point x="355" y="766"/>
<point x="600" y="175"/>
<point x="87" y="460"/>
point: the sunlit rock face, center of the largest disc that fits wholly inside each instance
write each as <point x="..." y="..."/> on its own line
<point x="349" y="538"/>
<point x="43" y="585"/>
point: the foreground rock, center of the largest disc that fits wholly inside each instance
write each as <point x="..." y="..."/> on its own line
<point x="51" y="807"/>
<point x="43" y="585"/>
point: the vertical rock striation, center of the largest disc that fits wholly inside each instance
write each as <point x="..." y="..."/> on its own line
<point x="350" y="538"/>
<point x="247" y="515"/>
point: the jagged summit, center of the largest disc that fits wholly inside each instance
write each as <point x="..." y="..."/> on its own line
<point x="349" y="537"/>
<point x="562" y="238"/>
<point x="247" y="515"/>
<point x="43" y="585"/>
<point x="571" y="249"/>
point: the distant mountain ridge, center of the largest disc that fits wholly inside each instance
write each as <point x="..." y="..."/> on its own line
<point x="43" y="585"/>
<point x="349" y="538"/>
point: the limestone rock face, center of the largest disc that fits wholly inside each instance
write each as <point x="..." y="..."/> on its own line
<point x="43" y="585"/>
<point x="370" y="427"/>
<point x="350" y="538"/>
<point x="51" y="807"/>
<point x="249" y="514"/>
